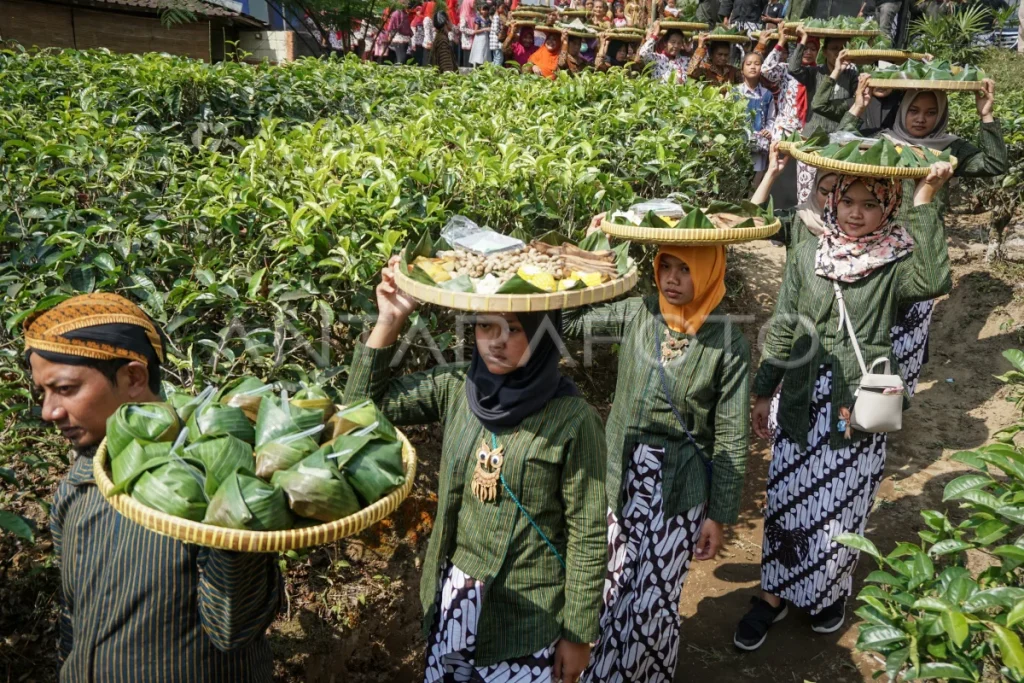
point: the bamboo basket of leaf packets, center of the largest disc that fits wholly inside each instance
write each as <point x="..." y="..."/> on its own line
<point x="685" y="26"/>
<point x="684" y="224"/>
<point x="867" y="157"/>
<point x="550" y="273"/>
<point x="841" y="27"/>
<point x="937" y="75"/>
<point x="873" y="55"/>
<point x="302" y="474"/>
<point x="725" y="35"/>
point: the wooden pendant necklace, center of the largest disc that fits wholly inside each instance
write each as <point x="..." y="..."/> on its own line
<point x="488" y="470"/>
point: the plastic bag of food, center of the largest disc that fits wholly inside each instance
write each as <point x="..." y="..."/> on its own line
<point x="462" y="233"/>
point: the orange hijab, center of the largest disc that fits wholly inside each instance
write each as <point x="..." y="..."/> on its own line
<point x="545" y="60"/>
<point x="707" y="270"/>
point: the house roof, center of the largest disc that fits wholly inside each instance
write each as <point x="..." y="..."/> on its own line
<point x="210" y="8"/>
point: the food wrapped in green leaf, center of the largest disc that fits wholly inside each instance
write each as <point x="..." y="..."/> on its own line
<point x="216" y="419"/>
<point x="150" y="422"/>
<point x="244" y="501"/>
<point x="132" y="459"/>
<point x="317" y="489"/>
<point x="314" y="397"/>
<point x="278" y="417"/>
<point x="285" y="451"/>
<point x="245" y="393"/>
<point x="359" y="417"/>
<point x="220" y="456"/>
<point x="373" y="467"/>
<point x="175" y="488"/>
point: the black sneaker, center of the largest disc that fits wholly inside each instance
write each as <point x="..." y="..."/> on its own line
<point x="753" y="627"/>
<point x="830" y="619"/>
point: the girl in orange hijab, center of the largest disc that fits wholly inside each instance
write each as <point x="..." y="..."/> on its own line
<point x="677" y="447"/>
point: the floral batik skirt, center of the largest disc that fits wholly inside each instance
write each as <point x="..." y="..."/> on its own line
<point x="649" y="557"/>
<point x="816" y="492"/>
<point x="451" y="646"/>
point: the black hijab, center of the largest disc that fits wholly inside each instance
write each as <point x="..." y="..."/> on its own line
<point x="502" y="401"/>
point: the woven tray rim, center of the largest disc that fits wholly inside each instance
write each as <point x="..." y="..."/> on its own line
<point x="729" y="39"/>
<point x="516" y="303"/>
<point x="624" y="38"/>
<point x="684" y="25"/>
<point x="841" y="32"/>
<point x="548" y="28"/>
<point x="864" y="170"/>
<point x="243" y="540"/>
<point x="881" y="53"/>
<point x="637" y="233"/>
<point x="917" y="84"/>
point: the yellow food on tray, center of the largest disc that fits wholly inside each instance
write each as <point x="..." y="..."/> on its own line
<point x="435" y="268"/>
<point x="537" y="277"/>
<point x="589" y="279"/>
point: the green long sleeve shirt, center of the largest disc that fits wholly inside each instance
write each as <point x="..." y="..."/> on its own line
<point x="140" y="607"/>
<point x="832" y="96"/>
<point x="554" y="463"/>
<point x="710" y="388"/>
<point x="804" y="332"/>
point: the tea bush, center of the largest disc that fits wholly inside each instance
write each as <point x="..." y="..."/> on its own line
<point x="952" y="606"/>
<point x="248" y="207"/>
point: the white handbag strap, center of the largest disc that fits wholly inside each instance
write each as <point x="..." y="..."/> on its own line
<point x="844" y="317"/>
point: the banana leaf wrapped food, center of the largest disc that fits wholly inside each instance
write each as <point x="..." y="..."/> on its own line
<point x="134" y="457"/>
<point x="372" y="465"/>
<point x="316" y="488"/>
<point x="169" y="484"/>
<point x="285" y="451"/>
<point x="216" y="419"/>
<point x="278" y="417"/>
<point x="314" y="397"/>
<point x="362" y="415"/>
<point x="244" y="501"/>
<point x="148" y="422"/>
<point x="221" y="456"/>
<point x="246" y="393"/>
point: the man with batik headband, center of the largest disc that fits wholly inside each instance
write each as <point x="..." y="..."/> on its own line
<point x="135" y="605"/>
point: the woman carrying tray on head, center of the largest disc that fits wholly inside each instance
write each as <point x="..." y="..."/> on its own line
<point x="824" y="474"/>
<point x="515" y="566"/>
<point x="519" y="43"/>
<point x="922" y="121"/>
<point x="679" y="417"/>
<point x="715" y="69"/>
<point x="672" y="61"/>
<point x="836" y="75"/>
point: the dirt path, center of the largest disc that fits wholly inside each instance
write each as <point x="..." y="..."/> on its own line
<point x="970" y="330"/>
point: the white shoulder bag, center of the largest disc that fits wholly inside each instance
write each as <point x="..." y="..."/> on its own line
<point x="879" y="398"/>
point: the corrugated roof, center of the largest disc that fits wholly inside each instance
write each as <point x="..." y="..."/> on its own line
<point x="210" y="9"/>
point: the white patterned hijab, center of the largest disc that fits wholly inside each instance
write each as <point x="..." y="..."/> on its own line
<point x="843" y="258"/>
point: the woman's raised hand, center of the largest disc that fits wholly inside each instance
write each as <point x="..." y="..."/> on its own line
<point x="985" y="99"/>
<point x="927" y="188"/>
<point x="393" y="305"/>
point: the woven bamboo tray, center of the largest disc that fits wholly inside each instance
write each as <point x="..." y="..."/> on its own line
<point x="694" y="237"/>
<point x="683" y="26"/>
<point x="841" y="32"/>
<point x="516" y="303"/>
<point x="871" y="55"/>
<point x="623" y="37"/>
<point x="913" y="84"/>
<point x="243" y="540"/>
<point x="864" y="170"/>
<point x="548" y="28"/>
<point x="711" y="38"/>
